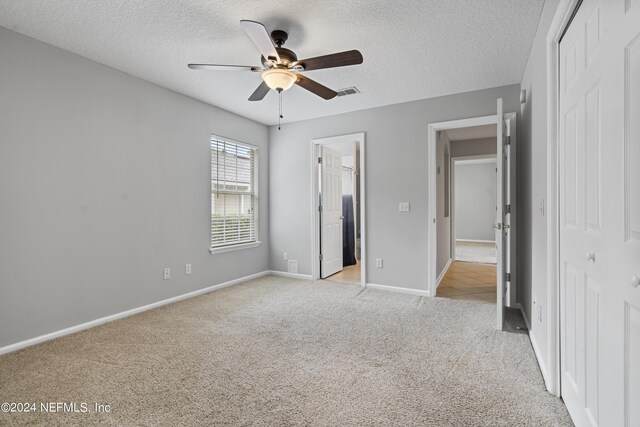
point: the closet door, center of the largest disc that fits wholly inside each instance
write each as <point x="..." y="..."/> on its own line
<point x="599" y="152"/>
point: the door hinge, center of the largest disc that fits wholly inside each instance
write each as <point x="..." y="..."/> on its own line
<point x="320" y="257"/>
<point x="507" y="140"/>
<point x="507" y="277"/>
<point x="507" y="209"/>
<point x="320" y="208"/>
<point x="320" y="160"/>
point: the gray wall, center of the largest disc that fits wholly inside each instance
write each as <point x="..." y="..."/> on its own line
<point x="475" y="200"/>
<point x="473" y="147"/>
<point x="395" y="158"/>
<point x="443" y="215"/>
<point x="532" y="185"/>
<point x="104" y="180"/>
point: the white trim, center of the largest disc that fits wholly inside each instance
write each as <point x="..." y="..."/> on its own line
<point x="315" y="221"/>
<point x="534" y="345"/>
<point x="231" y="248"/>
<point x="561" y="19"/>
<point x="97" y="322"/>
<point x="433" y="130"/>
<point x="541" y="364"/>
<point x="398" y="289"/>
<point x="444" y="271"/>
<point x="475" y="241"/>
<point x="290" y="275"/>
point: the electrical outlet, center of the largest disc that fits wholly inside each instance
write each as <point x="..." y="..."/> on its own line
<point x="403" y="206"/>
<point x="187" y="269"/>
<point x="379" y="262"/>
<point x="167" y="273"/>
<point x="285" y="256"/>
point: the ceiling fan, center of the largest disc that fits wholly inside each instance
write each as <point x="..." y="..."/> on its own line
<point x="281" y="67"/>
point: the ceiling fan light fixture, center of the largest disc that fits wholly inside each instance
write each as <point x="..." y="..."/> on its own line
<point x="279" y="78"/>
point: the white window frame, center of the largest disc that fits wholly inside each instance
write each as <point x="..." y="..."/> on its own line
<point x="236" y="245"/>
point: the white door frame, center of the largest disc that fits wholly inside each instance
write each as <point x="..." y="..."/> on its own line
<point x="434" y="128"/>
<point x="561" y="20"/>
<point x="315" y="217"/>
<point x="452" y="186"/>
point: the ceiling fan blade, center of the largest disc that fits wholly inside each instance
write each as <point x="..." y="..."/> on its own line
<point x="315" y="87"/>
<point x="260" y="93"/>
<point x="261" y="38"/>
<point x="217" y="67"/>
<point x="350" y="57"/>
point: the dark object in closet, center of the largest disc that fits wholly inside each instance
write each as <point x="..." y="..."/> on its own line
<point x="348" y="232"/>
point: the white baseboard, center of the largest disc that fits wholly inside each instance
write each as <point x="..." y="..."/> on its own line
<point x="93" y="323"/>
<point x="291" y="275"/>
<point x="536" y="349"/>
<point x="444" y="271"/>
<point x="475" y="241"/>
<point x="399" y="289"/>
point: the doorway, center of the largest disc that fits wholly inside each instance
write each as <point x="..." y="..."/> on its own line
<point x="467" y="183"/>
<point x="338" y="209"/>
<point x="441" y="249"/>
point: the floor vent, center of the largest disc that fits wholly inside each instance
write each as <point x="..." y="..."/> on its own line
<point x="348" y="91"/>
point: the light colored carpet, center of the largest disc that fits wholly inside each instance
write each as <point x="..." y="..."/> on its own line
<point x="476" y="252"/>
<point x="278" y="351"/>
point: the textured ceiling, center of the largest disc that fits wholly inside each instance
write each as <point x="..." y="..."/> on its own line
<point x="473" y="132"/>
<point x="413" y="49"/>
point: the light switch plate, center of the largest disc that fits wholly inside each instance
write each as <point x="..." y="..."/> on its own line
<point x="403" y="206"/>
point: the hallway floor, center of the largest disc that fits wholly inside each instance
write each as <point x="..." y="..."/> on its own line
<point x="470" y="282"/>
<point x="349" y="274"/>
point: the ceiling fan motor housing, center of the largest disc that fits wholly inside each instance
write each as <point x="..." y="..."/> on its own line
<point x="287" y="57"/>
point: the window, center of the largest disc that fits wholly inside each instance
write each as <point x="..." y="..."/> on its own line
<point x="234" y="193"/>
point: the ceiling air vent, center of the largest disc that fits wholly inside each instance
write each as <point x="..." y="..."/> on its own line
<point x="348" y="91"/>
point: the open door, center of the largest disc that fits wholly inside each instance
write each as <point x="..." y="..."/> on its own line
<point x="330" y="212"/>
<point x="504" y="226"/>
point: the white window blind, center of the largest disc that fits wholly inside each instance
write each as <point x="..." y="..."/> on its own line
<point x="234" y="195"/>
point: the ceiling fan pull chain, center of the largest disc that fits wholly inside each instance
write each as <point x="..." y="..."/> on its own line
<point x="280" y="116"/>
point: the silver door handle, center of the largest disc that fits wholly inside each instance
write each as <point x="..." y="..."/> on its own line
<point x="591" y="257"/>
<point x="341" y="217"/>
<point x="500" y="226"/>
<point x="635" y="281"/>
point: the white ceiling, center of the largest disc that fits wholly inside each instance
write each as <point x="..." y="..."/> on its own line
<point x="473" y="132"/>
<point x="413" y="49"/>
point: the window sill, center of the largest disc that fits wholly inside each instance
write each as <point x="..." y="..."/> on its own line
<point x="232" y="248"/>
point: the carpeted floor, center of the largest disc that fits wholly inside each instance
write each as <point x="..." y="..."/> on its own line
<point x="278" y="351"/>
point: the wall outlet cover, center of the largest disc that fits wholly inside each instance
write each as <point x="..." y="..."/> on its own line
<point x="379" y="262"/>
<point x="166" y="273"/>
<point x="403" y="206"/>
<point x="187" y="269"/>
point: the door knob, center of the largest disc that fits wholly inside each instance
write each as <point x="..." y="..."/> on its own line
<point x="497" y="226"/>
<point x="635" y="281"/>
<point x="591" y="257"/>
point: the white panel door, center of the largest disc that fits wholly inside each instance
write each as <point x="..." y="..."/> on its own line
<point x="501" y="251"/>
<point x="505" y="193"/>
<point x="599" y="152"/>
<point x="331" y="213"/>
